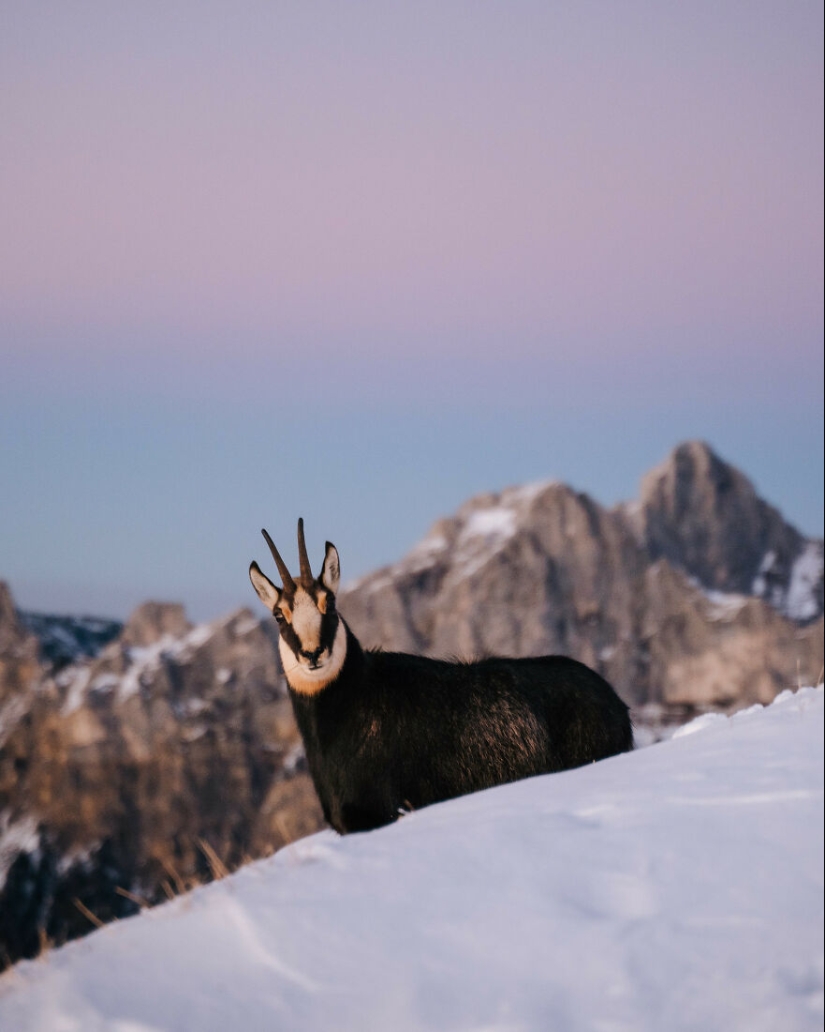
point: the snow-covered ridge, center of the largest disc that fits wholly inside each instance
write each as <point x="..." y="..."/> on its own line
<point x="143" y="662"/>
<point x="15" y="837"/>
<point x="486" y="526"/>
<point x="677" y="887"/>
<point x="806" y="575"/>
<point x="724" y="605"/>
<point x="798" y="600"/>
<point x="68" y="639"/>
<point x="467" y="541"/>
<point x="722" y="559"/>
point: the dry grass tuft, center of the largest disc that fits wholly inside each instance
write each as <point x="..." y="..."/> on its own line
<point x="180" y="885"/>
<point x="84" y="910"/>
<point x="217" y="867"/>
<point x="46" y="942"/>
<point x="141" y="902"/>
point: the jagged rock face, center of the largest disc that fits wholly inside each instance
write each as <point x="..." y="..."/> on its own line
<point x="631" y="592"/>
<point x="152" y="621"/>
<point x="705" y="517"/>
<point x="531" y="571"/>
<point x="708" y="650"/>
<point x="122" y="777"/>
<point x="19" y="656"/>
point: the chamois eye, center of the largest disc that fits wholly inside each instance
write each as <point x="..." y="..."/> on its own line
<point x="279" y="616"/>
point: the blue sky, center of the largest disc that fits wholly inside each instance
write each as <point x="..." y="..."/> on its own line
<point x="261" y="261"/>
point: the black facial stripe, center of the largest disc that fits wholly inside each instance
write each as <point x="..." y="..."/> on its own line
<point x="289" y="636"/>
<point x="329" y="623"/>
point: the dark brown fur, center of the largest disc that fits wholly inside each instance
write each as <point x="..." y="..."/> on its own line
<point x="392" y="732"/>
<point x="396" y="732"/>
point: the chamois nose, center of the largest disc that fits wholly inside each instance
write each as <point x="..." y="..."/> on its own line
<point x="313" y="657"/>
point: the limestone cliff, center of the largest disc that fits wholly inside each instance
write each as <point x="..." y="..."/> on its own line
<point x="140" y="772"/>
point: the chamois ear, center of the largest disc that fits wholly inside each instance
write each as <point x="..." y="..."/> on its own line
<point x="266" y="590"/>
<point x="331" y="570"/>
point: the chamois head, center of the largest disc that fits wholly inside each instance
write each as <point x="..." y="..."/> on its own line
<point x="313" y="640"/>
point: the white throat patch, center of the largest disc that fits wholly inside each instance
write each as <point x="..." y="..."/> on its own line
<point x="306" y="681"/>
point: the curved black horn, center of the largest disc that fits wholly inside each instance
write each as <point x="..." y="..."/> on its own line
<point x="286" y="577"/>
<point x="303" y="558"/>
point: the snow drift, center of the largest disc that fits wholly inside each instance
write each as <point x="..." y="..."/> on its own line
<point x="676" y="887"/>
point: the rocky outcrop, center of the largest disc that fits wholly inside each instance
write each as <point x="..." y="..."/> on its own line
<point x="707" y="650"/>
<point x="19" y="657"/>
<point x="153" y="622"/>
<point x="171" y="755"/>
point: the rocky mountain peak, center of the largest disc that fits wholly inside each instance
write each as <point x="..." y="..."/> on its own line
<point x="705" y="517"/>
<point x="694" y="595"/>
<point x="152" y="621"/>
<point x="520" y="572"/>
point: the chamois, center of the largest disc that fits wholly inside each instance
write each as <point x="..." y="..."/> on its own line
<point x="387" y="732"/>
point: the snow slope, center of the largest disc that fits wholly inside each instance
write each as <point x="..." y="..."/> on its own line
<point x="677" y="887"/>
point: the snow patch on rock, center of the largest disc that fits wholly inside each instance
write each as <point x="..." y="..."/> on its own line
<point x="15" y="837"/>
<point x="806" y="576"/>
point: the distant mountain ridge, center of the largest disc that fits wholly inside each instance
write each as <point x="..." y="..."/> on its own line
<point x="67" y="639"/>
<point x="137" y="759"/>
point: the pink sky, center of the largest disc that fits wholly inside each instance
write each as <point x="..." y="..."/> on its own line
<point x="486" y="170"/>
<point x="481" y="242"/>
